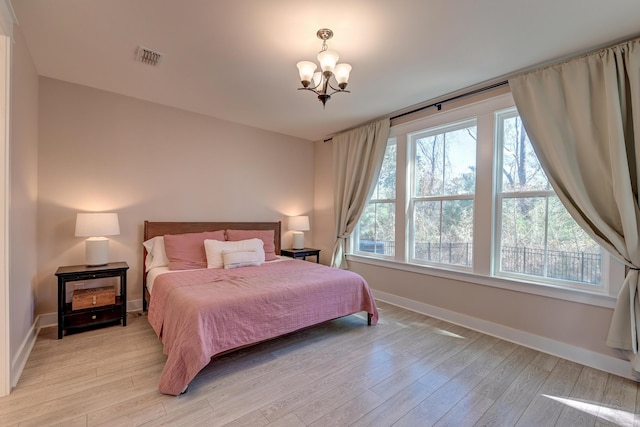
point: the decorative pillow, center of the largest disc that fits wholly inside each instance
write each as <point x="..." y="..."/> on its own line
<point x="214" y="249"/>
<point x="267" y="237"/>
<point x="186" y="251"/>
<point x="244" y="258"/>
<point x="156" y="255"/>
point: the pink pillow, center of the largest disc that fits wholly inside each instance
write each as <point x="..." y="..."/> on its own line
<point x="267" y="237"/>
<point x="186" y="251"/>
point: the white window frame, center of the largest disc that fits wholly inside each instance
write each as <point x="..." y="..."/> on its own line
<point x="482" y="271"/>
<point x="412" y="138"/>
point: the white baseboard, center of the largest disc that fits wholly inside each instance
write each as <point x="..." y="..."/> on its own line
<point x="135" y="305"/>
<point x="563" y="350"/>
<point x="46" y="320"/>
<point x="19" y="362"/>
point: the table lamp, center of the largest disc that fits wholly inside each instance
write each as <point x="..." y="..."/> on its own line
<point x="95" y="226"/>
<point x="298" y="224"/>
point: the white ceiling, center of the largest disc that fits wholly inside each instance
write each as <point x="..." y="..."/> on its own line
<point x="236" y="59"/>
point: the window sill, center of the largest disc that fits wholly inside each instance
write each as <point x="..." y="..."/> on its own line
<point x="541" y="289"/>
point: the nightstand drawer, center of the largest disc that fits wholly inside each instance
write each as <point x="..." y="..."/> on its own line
<point x="93" y="297"/>
<point x="93" y="317"/>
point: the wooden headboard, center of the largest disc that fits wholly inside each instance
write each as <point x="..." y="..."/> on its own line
<point x="153" y="229"/>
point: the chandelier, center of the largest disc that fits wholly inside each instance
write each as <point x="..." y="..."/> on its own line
<point x="319" y="82"/>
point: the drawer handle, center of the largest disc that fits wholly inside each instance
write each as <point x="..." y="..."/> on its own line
<point x="94" y="317"/>
<point x="94" y="300"/>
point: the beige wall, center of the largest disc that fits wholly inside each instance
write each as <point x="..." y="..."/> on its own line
<point x="23" y="164"/>
<point x="324" y="223"/>
<point x="580" y="325"/>
<point x="100" y="151"/>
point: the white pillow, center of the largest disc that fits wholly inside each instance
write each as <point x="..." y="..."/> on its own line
<point x="214" y="248"/>
<point x="244" y="258"/>
<point x="156" y="255"/>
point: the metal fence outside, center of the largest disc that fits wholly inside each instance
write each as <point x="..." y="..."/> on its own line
<point x="378" y="247"/>
<point x="584" y="267"/>
<point x="456" y="253"/>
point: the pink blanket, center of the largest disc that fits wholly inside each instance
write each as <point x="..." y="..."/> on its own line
<point x="201" y="313"/>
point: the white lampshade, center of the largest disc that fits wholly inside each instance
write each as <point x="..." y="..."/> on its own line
<point x="298" y="224"/>
<point x="342" y="73"/>
<point x="306" y="70"/>
<point x="328" y="60"/>
<point x="96" y="226"/>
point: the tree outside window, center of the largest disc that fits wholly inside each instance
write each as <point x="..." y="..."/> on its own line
<point x="443" y="187"/>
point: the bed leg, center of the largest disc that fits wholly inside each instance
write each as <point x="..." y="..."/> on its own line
<point x="369" y="319"/>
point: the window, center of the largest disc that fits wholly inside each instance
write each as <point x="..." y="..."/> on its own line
<point x="536" y="234"/>
<point x="472" y="202"/>
<point x="376" y="229"/>
<point x="442" y="188"/>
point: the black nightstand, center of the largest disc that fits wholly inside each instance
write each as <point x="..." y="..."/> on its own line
<point x="75" y="319"/>
<point x="301" y="253"/>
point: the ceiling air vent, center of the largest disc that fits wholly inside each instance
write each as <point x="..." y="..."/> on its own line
<point x="149" y="56"/>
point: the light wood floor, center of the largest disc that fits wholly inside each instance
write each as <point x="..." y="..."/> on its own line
<point x="409" y="370"/>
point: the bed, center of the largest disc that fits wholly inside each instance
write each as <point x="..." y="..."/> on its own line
<point x="200" y="312"/>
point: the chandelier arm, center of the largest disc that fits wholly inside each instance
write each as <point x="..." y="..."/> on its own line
<point x="339" y="91"/>
<point x="336" y="89"/>
<point x="310" y="90"/>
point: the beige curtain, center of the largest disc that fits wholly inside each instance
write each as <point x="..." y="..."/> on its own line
<point x="357" y="159"/>
<point x="583" y="119"/>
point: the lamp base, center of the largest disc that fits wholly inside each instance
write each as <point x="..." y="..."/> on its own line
<point x="298" y="240"/>
<point x="96" y="251"/>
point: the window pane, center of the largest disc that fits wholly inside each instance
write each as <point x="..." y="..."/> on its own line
<point x="386" y="187"/>
<point x="460" y="161"/>
<point x="426" y="230"/>
<point x="523" y="221"/>
<point x="443" y="231"/>
<point x="445" y="163"/>
<point x="521" y="170"/>
<point x="376" y="229"/>
<point x="539" y="237"/>
<point x="429" y="162"/>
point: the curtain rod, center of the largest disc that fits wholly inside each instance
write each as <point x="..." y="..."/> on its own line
<point x="438" y="104"/>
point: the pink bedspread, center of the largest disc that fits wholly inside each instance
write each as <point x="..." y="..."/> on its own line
<point x="200" y="313"/>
